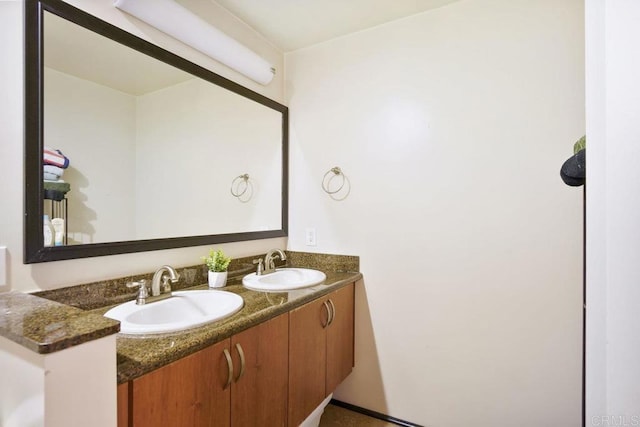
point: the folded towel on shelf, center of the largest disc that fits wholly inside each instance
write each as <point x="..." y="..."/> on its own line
<point x="55" y="158"/>
<point x="50" y="177"/>
<point x="53" y="170"/>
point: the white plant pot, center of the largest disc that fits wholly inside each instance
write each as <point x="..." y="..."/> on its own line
<point x="217" y="279"/>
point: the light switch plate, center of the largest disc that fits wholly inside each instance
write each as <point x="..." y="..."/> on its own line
<point x="310" y="237"/>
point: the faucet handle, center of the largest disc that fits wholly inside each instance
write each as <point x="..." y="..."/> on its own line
<point x="139" y="284"/>
<point x="143" y="292"/>
<point x="260" y="267"/>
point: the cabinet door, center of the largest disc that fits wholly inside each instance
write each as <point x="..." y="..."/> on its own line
<point x="187" y="393"/>
<point x="307" y="359"/>
<point x="340" y="337"/>
<point x="259" y="395"/>
<point x="123" y="405"/>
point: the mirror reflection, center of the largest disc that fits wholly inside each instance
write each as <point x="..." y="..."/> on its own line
<point x="153" y="151"/>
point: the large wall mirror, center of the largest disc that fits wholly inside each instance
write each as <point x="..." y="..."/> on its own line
<point x="161" y="153"/>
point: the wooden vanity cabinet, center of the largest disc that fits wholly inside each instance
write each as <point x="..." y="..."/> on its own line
<point x="200" y="390"/>
<point x="340" y="338"/>
<point x="123" y="405"/>
<point x="189" y="392"/>
<point x="282" y="370"/>
<point x="320" y="350"/>
<point x="259" y="395"/>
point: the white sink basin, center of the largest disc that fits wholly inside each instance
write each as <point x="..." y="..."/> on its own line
<point x="283" y="279"/>
<point x="185" y="309"/>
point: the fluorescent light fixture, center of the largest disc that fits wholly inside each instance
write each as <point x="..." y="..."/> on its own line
<point x="181" y="24"/>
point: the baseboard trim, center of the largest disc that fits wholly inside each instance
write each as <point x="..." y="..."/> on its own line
<point x="373" y="414"/>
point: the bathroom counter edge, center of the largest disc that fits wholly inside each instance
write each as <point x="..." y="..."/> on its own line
<point x="45" y="326"/>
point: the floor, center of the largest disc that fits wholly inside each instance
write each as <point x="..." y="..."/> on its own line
<point x="340" y="417"/>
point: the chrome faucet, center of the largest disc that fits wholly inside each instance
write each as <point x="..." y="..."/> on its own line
<point x="143" y="296"/>
<point x="158" y="275"/>
<point x="269" y="264"/>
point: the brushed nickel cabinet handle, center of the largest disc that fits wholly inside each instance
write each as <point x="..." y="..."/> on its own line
<point x="326" y="306"/>
<point x="230" y="365"/>
<point x="241" y="354"/>
<point x="333" y="312"/>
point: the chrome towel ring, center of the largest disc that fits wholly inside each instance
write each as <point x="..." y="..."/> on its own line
<point x="344" y="186"/>
<point x="239" y="187"/>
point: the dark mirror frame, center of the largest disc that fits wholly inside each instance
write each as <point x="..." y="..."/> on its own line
<point x="34" y="250"/>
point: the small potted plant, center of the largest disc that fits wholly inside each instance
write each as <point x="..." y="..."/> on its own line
<point x="217" y="263"/>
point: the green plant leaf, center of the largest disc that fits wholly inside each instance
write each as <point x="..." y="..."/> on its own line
<point x="216" y="261"/>
<point x="580" y="144"/>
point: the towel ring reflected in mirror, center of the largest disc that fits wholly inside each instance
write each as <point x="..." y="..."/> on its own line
<point x="344" y="188"/>
<point x="242" y="188"/>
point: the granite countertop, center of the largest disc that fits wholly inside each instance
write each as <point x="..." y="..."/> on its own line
<point x="45" y="326"/>
<point x="141" y="354"/>
<point x="50" y="321"/>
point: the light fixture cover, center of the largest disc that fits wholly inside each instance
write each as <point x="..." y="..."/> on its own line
<point x="181" y="24"/>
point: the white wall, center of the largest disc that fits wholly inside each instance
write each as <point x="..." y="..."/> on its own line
<point x="452" y="126"/>
<point x="65" y="273"/>
<point x="613" y="229"/>
<point x="59" y="389"/>
<point x="223" y="136"/>
<point x="22" y="386"/>
<point x="102" y="157"/>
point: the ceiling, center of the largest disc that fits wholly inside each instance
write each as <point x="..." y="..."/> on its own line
<point x="295" y="24"/>
<point x="288" y="24"/>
